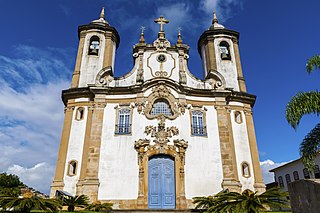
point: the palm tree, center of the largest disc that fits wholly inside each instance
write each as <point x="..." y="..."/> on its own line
<point x="98" y="206"/>
<point x="28" y="202"/>
<point x="247" y="202"/>
<point x="306" y="103"/>
<point x="76" y="201"/>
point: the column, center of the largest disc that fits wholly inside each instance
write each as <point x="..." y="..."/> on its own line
<point x="241" y="82"/>
<point x="76" y="73"/>
<point x="228" y="155"/>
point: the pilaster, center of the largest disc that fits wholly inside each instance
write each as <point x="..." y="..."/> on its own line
<point x="57" y="183"/>
<point x="241" y="81"/>
<point x="76" y="73"/>
<point x="228" y="155"/>
<point x="88" y="183"/>
<point x="258" y="180"/>
<point x="108" y="50"/>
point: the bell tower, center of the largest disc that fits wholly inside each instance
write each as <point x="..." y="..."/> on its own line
<point x="218" y="48"/>
<point x="98" y="42"/>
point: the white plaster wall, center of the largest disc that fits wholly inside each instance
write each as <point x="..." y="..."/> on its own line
<point x="290" y="168"/>
<point x="227" y="68"/>
<point x="91" y="64"/>
<point x="150" y="61"/>
<point x="118" y="167"/>
<point x="242" y="149"/>
<point x="75" y="149"/>
<point x="203" y="170"/>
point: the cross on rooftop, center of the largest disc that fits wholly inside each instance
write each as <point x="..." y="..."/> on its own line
<point x="161" y="21"/>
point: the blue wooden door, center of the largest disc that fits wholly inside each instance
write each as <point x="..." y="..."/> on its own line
<point x="161" y="188"/>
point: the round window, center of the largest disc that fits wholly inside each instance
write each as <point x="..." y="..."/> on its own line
<point x="161" y="58"/>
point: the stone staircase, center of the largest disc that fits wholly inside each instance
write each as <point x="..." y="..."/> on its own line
<point x="154" y="211"/>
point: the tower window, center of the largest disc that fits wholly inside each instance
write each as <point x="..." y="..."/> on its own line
<point x="198" y="127"/>
<point x="224" y="50"/>
<point x="238" y="117"/>
<point x="123" y="125"/>
<point x="94" y="45"/>
<point x="280" y="180"/>
<point x="316" y="171"/>
<point x="288" y="178"/>
<point x="245" y="169"/>
<point x="296" y="175"/>
<point x="161" y="107"/>
<point x="306" y="173"/>
<point x="72" y="168"/>
<point x="80" y="113"/>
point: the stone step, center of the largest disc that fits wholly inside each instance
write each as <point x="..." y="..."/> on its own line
<point x="153" y="210"/>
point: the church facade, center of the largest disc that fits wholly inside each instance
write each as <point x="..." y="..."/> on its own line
<point x="157" y="136"/>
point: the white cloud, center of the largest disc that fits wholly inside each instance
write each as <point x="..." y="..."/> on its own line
<point x="31" y="114"/>
<point x="268" y="177"/>
<point x="225" y="9"/>
<point x="38" y="177"/>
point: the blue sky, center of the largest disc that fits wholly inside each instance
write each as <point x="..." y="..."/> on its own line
<point x="38" y="45"/>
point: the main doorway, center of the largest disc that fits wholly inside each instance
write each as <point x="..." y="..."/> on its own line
<point x="161" y="183"/>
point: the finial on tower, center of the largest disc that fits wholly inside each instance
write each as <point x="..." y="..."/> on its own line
<point x="161" y="21"/>
<point x="101" y="20"/>
<point x="179" y="36"/>
<point x="215" y="19"/>
<point x="102" y="13"/>
<point x="142" y="35"/>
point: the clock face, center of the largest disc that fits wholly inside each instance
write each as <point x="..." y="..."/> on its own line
<point x="161" y="58"/>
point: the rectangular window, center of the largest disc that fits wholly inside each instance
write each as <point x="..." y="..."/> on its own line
<point x="123" y="126"/>
<point x="280" y="180"/>
<point x="316" y="171"/>
<point x="198" y="127"/>
<point x="306" y="173"/>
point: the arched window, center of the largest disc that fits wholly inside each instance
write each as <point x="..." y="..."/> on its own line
<point x="306" y="173"/>
<point x="238" y="117"/>
<point x="161" y="106"/>
<point x="94" y="45"/>
<point x="316" y="171"/>
<point x="197" y="126"/>
<point x="295" y="175"/>
<point x="123" y="126"/>
<point x="224" y="50"/>
<point x="288" y="178"/>
<point x="245" y="169"/>
<point x="72" y="168"/>
<point x="280" y="180"/>
<point x="80" y="113"/>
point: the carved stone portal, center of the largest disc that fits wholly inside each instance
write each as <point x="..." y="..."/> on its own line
<point x="161" y="145"/>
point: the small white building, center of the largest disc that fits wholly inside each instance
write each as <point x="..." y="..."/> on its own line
<point x="293" y="171"/>
<point x="157" y="136"/>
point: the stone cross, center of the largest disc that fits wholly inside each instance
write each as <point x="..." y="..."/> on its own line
<point x="161" y="21"/>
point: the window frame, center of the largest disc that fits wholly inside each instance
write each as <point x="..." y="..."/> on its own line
<point x="82" y="109"/>
<point x="75" y="168"/>
<point x="296" y="176"/>
<point x="316" y="171"/>
<point x="236" y="114"/>
<point x="306" y="173"/>
<point x="280" y="181"/>
<point x="90" y="51"/>
<point x="201" y="129"/>
<point x="288" y="178"/>
<point x="242" y="169"/>
<point x="127" y="122"/>
<point x="161" y="100"/>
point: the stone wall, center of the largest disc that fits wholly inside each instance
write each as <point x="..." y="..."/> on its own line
<point x="304" y="196"/>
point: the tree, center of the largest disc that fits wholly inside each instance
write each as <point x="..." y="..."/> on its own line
<point x="10" y="185"/>
<point x="306" y="103"/>
<point x="98" y="206"/>
<point x="247" y="202"/>
<point x="76" y="201"/>
<point x="28" y="202"/>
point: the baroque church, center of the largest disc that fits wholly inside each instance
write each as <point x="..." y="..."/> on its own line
<point x="157" y="136"/>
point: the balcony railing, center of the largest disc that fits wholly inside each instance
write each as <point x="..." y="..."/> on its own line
<point x="199" y="130"/>
<point x="123" y="129"/>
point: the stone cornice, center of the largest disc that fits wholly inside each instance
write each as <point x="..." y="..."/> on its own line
<point x="91" y="91"/>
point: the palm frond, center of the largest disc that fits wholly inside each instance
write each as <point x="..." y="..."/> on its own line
<point x="301" y="104"/>
<point x="313" y="63"/>
<point x="310" y="146"/>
